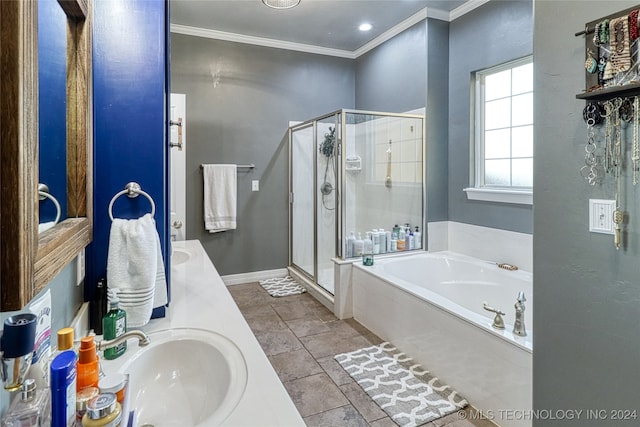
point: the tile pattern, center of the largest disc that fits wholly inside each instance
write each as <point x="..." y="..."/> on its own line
<point x="300" y="337"/>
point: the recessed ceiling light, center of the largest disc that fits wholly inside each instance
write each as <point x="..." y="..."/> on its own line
<point x="365" y="27"/>
<point x="281" y="4"/>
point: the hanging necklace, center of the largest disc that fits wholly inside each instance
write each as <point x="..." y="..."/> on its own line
<point x="635" y="155"/>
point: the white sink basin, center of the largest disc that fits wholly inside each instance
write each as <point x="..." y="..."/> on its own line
<point x="185" y="377"/>
<point x="179" y="256"/>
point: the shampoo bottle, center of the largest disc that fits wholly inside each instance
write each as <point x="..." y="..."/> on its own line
<point x="368" y="244"/>
<point x="87" y="365"/>
<point x="375" y="237"/>
<point x="417" y="238"/>
<point x="388" y="238"/>
<point x="351" y="240"/>
<point x="358" y="246"/>
<point x="114" y="324"/>
<point x="401" y="240"/>
<point x="383" y="241"/>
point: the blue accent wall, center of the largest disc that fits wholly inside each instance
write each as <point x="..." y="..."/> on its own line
<point x="130" y="86"/>
<point x="52" y="104"/>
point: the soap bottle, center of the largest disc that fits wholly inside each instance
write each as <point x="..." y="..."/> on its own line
<point x="375" y="238"/>
<point x="417" y="238"/>
<point x="358" y="246"/>
<point x="114" y="324"/>
<point x="87" y="366"/>
<point x="383" y="241"/>
<point x="31" y="408"/>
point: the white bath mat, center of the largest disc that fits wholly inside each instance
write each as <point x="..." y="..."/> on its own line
<point x="410" y="395"/>
<point x="282" y="286"/>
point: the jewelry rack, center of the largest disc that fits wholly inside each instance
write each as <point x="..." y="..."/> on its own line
<point x="622" y="84"/>
<point x="612" y="89"/>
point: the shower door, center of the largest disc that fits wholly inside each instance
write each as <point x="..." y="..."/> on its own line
<point x="327" y="192"/>
<point x="302" y="245"/>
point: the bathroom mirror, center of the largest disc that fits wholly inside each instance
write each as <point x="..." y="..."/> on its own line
<point x="52" y="117"/>
<point x="28" y="260"/>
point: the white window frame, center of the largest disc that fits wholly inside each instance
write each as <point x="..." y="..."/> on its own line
<point x="477" y="189"/>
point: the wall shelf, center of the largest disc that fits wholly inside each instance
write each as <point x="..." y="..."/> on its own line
<point x="631" y="89"/>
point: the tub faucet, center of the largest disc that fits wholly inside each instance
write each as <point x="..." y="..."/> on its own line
<point x="498" y="323"/>
<point x="518" y="326"/>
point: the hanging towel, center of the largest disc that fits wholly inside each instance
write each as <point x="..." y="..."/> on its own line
<point x="220" y="197"/>
<point x="134" y="264"/>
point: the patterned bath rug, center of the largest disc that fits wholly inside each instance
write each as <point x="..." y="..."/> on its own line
<point x="410" y="395"/>
<point x="282" y="286"/>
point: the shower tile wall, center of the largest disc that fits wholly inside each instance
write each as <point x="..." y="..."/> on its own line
<point x="375" y="205"/>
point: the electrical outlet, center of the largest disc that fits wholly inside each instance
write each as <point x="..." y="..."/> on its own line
<point x="601" y="216"/>
<point x="255" y="185"/>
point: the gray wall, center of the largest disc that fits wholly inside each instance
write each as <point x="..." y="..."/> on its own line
<point x="496" y="32"/>
<point x="240" y="99"/>
<point x="397" y="77"/>
<point x="66" y="298"/>
<point x="587" y="295"/>
<point x="392" y="76"/>
<point x="437" y="117"/>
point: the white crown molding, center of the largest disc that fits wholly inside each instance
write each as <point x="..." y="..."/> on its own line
<point x="466" y="8"/>
<point x="259" y="41"/>
<point x="319" y="50"/>
<point x="441" y="15"/>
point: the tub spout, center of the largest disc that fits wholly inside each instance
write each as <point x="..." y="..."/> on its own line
<point x="518" y="326"/>
<point x="498" y="323"/>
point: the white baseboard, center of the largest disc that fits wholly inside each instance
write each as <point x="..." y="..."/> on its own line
<point x="254" y="276"/>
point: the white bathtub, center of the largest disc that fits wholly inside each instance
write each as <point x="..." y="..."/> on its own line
<point x="430" y="306"/>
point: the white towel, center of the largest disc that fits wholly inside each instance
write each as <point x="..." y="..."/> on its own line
<point x="220" y="197"/>
<point x="135" y="262"/>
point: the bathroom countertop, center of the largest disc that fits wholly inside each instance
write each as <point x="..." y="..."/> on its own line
<point x="199" y="299"/>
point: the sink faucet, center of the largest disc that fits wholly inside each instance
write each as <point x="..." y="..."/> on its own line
<point x="518" y="326"/>
<point x="143" y="340"/>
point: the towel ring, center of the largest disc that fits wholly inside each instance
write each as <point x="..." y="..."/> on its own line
<point x="43" y="193"/>
<point x="132" y="190"/>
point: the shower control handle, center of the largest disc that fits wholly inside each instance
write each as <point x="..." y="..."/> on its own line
<point x="177" y="225"/>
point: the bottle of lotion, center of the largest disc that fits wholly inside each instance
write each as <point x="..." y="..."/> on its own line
<point x="417" y="238"/>
<point x="87" y="367"/>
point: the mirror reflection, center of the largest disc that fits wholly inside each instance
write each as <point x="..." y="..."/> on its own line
<point x="52" y="94"/>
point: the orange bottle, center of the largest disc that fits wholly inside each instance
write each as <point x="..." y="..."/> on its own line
<point x="87" y="367"/>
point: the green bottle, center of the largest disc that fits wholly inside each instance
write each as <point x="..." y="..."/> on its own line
<point x="114" y="324"/>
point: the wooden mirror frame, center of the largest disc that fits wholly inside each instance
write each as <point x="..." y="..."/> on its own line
<point x="28" y="260"/>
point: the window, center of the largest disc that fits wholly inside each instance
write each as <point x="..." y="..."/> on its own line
<point x="504" y="130"/>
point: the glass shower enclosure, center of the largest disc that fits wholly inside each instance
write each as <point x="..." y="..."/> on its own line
<point x="356" y="183"/>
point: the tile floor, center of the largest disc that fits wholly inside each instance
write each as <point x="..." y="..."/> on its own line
<point x="300" y="337"/>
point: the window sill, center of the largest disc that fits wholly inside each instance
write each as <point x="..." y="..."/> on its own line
<point x="500" y="195"/>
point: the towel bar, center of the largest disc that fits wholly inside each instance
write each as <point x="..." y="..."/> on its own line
<point x="250" y="166"/>
<point x="132" y="190"/>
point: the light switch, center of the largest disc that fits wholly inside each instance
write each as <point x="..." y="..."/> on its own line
<point x="255" y="185"/>
<point x="601" y="216"/>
